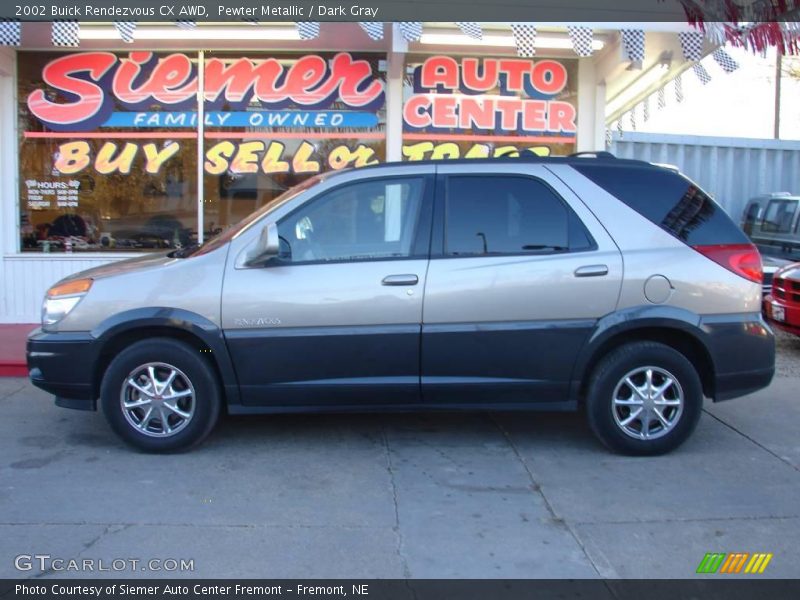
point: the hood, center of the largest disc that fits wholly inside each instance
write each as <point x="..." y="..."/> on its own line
<point x="139" y="263"/>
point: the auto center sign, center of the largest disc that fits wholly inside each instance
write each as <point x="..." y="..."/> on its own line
<point x="500" y="95"/>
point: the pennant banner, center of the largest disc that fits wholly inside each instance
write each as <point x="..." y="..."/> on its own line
<point x="186" y="24"/>
<point x="411" y="30"/>
<point x="646" y="109"/>
<point x="725" y="60"/>
<point x="374" y="30"/>
<point x="525" y="39"/>
<point x="701" y="73"/>
<point x="632" y="115"/>
<point x="308" y="30"/>
<point x="692" y="44"/>
<point x="473" y="30"/>
<point x="10" y="32"/>
<point x="582" y="38"/>
<point x="65" y="34"/>
<point x="662" y="98"/>
<point x="125" y="29"/>
<point x="633" y="44"/>
<point x="679" y="88"/>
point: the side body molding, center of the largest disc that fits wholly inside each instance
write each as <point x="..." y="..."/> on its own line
<point x="177" y="319"/>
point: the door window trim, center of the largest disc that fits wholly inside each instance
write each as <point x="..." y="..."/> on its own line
<point x="420" y="239"/>
<point x="439" y="234"/>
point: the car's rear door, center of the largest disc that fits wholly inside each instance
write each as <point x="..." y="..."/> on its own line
<point x="520" y="272"/>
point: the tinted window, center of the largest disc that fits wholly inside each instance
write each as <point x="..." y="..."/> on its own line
<point x="779" y="216"/>
<point x="508" y="215"/>
<point x="359" y="221"/>
<point x="669" y="200"/>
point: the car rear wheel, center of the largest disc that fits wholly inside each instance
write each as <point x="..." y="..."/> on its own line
<point x="160" y="395"/>
<point x="644" y="398"/>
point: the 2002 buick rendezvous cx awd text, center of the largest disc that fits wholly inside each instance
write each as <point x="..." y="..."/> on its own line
<point x="486" y="284"/>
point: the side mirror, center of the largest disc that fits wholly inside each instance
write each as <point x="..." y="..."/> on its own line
<point x="267" y="247"/>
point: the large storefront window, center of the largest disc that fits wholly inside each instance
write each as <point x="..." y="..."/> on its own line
<point x="107" y="163"/>
<point x="456" y="107"/>
<point x="108" y="141"/>
<point x="275" y="120"/>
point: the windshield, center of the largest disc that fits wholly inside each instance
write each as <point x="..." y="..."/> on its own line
<point x="234" y="230"/>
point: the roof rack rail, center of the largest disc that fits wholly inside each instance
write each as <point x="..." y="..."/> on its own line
<point x="595" y="153"/>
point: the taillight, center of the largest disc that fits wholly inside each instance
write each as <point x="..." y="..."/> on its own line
<point x="742" y="259"/>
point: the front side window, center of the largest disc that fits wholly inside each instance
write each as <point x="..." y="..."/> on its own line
<point x="508" y="215"/>
<point x="779" y="216"/>
<point x="367" y="220"/>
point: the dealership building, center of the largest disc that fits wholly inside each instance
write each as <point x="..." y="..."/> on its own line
<point x="107" y="151"/>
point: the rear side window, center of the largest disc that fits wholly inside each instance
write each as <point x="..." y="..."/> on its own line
<point x="779" y="216"/>
<point x="509" y="215"/>
<point x="669" y="200"/>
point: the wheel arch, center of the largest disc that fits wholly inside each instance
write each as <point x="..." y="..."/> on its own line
<point x="123" y="329"/>
<point x="673" y="327"/>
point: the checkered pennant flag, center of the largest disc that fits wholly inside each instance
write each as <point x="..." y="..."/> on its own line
<point x="691" y="44"/>
<point x="662" y="98"/>
<point x="525" y="38"/>
<point x="10" y="32"/>
<point x="646" y="109"/>
<point x="65" y="33"/>
<point x="186" y="24"/>
<point x="632" y="115"/>
<point x="308" y="30"/>
<point x="251" y="20"/>
<point x="701" y="73"/>
<point x="633" y="44"/>
<point x="473" y="30"/>
<point x="725" y="60"/>
<point x="374" y="30"/>
<point x="125" y="30"/>
<point x="679" y="88"/>
<point x="619" y="127"/>
<point x="609" y="137"/>
<point x="411" y="30"/>
<point x="582" y="38"/>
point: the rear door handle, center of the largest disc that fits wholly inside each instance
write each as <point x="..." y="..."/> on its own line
<point x="591" y="271"/>
<point x="400" y="280"/>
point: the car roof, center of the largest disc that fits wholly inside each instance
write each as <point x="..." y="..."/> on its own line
<point x="605" y="159"/>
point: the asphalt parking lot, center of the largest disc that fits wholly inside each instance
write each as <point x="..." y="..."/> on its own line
<point x="416" y="495"/>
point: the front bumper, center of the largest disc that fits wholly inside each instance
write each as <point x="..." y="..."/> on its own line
<point x="63" y="364"/>
<point x="791" y="322"/>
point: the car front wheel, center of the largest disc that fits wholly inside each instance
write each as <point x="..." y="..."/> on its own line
<point x="644" y="398"/>
<point x="160" y="395"/>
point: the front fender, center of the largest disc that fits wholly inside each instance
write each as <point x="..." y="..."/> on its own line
<point x="177" y="319"/>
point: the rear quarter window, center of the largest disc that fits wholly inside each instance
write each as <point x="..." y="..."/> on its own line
<point x="670" y="200"/>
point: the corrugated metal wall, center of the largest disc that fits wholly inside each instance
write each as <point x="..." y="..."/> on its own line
<point x="731" y="169"/>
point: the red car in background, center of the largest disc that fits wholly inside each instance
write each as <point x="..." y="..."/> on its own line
<point x="782" y="304"/>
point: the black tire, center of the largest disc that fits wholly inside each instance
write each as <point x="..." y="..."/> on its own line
<point x="190" y="366"/>
<point x="611" y="371"/>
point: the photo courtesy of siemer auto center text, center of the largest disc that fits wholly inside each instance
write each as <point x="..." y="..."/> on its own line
<point x="305" y="299"/>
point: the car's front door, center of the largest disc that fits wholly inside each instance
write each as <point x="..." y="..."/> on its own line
<point x="335" y="319"/>
<point x="518" y="277"/>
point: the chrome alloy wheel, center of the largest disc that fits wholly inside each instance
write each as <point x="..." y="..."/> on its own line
<point x="157" y="399"/>
<point x="647" y="403"/>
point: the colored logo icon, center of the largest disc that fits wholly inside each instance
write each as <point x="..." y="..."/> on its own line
<point x="735" y="562"/>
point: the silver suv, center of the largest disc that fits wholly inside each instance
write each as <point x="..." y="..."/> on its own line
<point x="508" y="284"/>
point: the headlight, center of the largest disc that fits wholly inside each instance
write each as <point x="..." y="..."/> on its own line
<point x="62" y="298"/>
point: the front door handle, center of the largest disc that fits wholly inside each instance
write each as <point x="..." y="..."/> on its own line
<point x="400" y="280"/>
<point x="591" y="271"/>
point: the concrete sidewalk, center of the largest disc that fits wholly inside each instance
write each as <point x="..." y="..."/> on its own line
<point x="425" y="496"/>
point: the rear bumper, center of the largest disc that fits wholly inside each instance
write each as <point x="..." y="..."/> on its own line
<point x="742" y="348"/>
<point x="63" y="364"/>
<point x="791" y="323"/>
